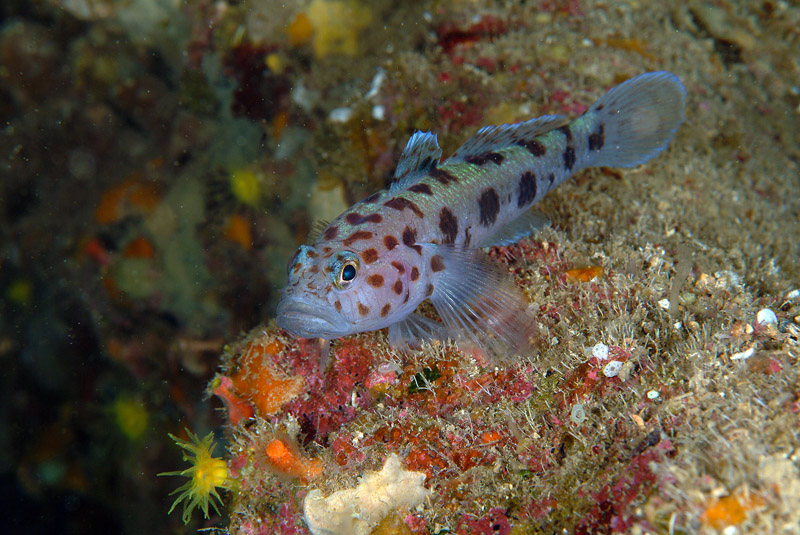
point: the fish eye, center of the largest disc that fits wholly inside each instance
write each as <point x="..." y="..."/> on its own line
<point x="344" y="268"/>
<point x="348" y="272"/>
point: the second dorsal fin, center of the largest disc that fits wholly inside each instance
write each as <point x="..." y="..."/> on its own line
<point x="493" y="138"/>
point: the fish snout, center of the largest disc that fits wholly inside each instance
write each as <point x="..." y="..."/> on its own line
<point x="309" y="320"/>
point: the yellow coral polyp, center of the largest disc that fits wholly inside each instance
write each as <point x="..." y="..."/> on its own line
<point x="246" y="186"/>
<point x="131" y="416"/>
<point x="206" y="474"/>
<point x="336" y="25"/>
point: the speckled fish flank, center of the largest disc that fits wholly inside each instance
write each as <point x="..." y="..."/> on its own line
<point x="421" y="237"/>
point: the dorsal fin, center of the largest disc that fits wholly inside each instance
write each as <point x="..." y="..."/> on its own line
<point x="492" y="138"/>
<point x="316" y="230"/>
<point x="422" y="154"/>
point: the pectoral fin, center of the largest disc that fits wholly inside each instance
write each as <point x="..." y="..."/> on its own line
<point x="413" y="330"/>
<point x="479" y="301"/>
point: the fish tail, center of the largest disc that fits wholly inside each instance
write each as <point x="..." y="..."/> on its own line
<point x="638" y="119"/>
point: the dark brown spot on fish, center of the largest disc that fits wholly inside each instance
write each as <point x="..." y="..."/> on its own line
<point x="437" y="264"/>
<point x="410" y="239"/>
<point x="313" y="269"/>
<point x="421" y="188"/>
<point x="442" y="176"/>
<point x="448" y="224"/>
<point x="483" y="159"/>
<point x="488" y="207"/>
<point x="526" y="189"/>
<point x="390" y="242"/>
<point x="398" y="287"/>
<point x="372" y="198"/>
<point x="533" y="146"/>
<point x="376" y="280"/>
<point x="566" y="131"/>
<point x="369" y="255"/>
<point x="405" y="299"/>
<point x="399" y="267"/>
<point x="400" y="204"/>
<point x="355" y="236"/>
<point x="429" y="290"/>
<point x="551" y="178"/>
<point x="385" y="310"/>
<point x="326" y="250"/>
<point x="312" y="254"/>
<point x="363" y="309"/>
<point x="597" y="139"/>
<point x="467" y="236"/>
<point x="569" y="158"/>
<point x="354" y="218"/>
<point x="427" y="163"/>
<point x="337" y="305"/>
<point x="414" y="274"/>
<point x="331" y="233"/>
<point x="296" y="266"/>
<point x="599" y="107"/>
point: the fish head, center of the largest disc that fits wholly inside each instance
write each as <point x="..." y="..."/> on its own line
<point x="334" y="291"/>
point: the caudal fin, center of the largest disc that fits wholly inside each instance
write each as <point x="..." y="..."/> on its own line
<point x="639" y="118"/>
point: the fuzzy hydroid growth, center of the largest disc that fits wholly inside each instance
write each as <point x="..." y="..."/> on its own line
<point x="206" y="474"/>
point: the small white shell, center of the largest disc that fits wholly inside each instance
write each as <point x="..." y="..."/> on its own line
<point x="664" y="303"/>
<point x="766" y="316"/>
<point x="340" y="115"/>
<point x="744" y="354"/>
<point x="612" y="368"/>
<point x="578" y="414"/>
<point x="600" y="351"/>
<point x="653" y="394"/>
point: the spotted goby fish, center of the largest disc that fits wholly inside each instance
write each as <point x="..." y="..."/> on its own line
<point x="421" y="237"/>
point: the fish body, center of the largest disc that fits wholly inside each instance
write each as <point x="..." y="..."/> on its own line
<point x="421" y="237"/>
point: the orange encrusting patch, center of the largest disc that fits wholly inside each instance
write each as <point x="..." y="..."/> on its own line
<point x="633" y="45"/>
<point x="139" y="248"/>
<point x="238" y="408"/>
<point x="287" y="461"/>
<point x="279" y="124"/>
<point x="730" y="510"/>
<point x="300" y="30"/>
<point x="238" y="231"/>
<point x="257" y="380"/>
<point x="584" y="274"/>
<point x="489" y="437"/>
<point x="134" y="195"/>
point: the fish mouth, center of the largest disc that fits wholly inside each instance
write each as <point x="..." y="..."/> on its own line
<point x="305" y="320"/>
